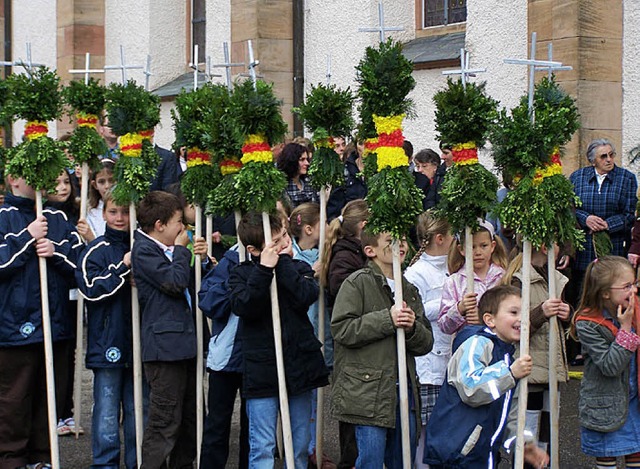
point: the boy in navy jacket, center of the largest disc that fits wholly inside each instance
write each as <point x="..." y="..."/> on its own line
<point x="24" y="238"/>
<point x="103" y="276"/>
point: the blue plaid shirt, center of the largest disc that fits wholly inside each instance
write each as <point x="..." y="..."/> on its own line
<point x="615" y="203"/>
<point x="300" y="196"/>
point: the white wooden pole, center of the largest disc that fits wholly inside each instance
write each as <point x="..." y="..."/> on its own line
<point x="554" y="397"/>
<point x="321" y="329"/>
<point x="48" y="352"/>
<point x="524" y="350"/>
<point x="402" y="362"/>
<point x="199" y="345"/>
<point x="241" y="251"/>
<point x="209" y="234"/>
<point x="77" y="374"/>
<point x="468" y="258"/>
<point x="277" y="338"/>
<point x="137" y="352"/>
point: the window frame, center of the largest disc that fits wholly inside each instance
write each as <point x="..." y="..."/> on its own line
<point x="446" y="23"/>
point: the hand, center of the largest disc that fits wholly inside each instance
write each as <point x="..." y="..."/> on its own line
<point x="403" y="317"/>
<point x="182" y="239"/>
<point x="522" y="367"/>
<point x="200" y="247"/>
<point x="126" y="260"/>
<point x="535" y="456"/>
<point x="269" y="255"/>
<point x="563" y="263"/>
<point x="626" y="318"/>
<point x="468" y="308"/>
<point x="44" y="248"/>
<point x="633" y="258"/>
<point x="38" y="228"/>
<point x="85" y="230"/>
<point x="216" y="237"/>
<point x="556" y="307"/>
<point x="287" y="249"/>
<point x="595" y="223"/>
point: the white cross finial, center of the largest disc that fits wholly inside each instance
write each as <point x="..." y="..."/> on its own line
<point x="227" y="65"/>
<point x="28" y="65"/>
<point x="253" y="63"/>
<point x="123" y="67"/>
<point x="87" y="69"/>
<point x="465" y="71"/>
<point x="550" y="69"/>
<point x="381" y="28"/>
<point x="328" y="75"/>
<point x="195" y="65"/>
<point x="147" y="73"/>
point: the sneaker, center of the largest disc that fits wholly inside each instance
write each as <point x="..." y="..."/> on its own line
<point x="72" y="426"/>
<point x="63" y="429"/>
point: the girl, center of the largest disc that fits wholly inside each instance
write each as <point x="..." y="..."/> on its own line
<point x="489" y="261"/>
<point x="65" y="197"/>
<point x="541" y="309"/>
<point x="604" y="324"/>
<point x="428" y="271"/>
<point x="304" y="228"/>
<point x="101" y="181"/>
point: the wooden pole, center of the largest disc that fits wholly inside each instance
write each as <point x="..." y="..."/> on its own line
<point x="554" y="397"/>
<point x="48" y="352"/>
<point x="77" y="374"/>
<point x="241" y="251"/>
<point x="277" y="338"/>
<point x="137" y="352"/>
<point x="209" y="234"/>
<point x="407" y="463"/>
<point x="468" y="258"/>
<point x="199" y="345"/>
<point x="524" y="350"/>
<point x="321" y="329"/>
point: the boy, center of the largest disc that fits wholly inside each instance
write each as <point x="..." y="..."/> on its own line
<point x="249" y="285"/>
<point x="103" y="279"/>
<point x="161" y="269"/>
<point x="24" y="238"/>
<point x="479" y="388"/>
<point x="364" y="323"/>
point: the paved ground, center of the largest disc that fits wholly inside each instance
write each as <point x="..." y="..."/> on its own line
<point x="76" y="454"/>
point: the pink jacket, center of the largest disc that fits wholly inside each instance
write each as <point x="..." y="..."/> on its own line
<point x="450" y="321"/>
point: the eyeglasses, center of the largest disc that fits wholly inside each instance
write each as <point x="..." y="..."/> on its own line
<point x="604" y="156"/>
<point x="627" y="287"/>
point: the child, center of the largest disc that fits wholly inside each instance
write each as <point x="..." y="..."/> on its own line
<point x="605" y="325"/>
<point x="428" y="272"/>
<point x="364" y="323"/>
<point x="103" y="278"/>
<point x="304" y="367"/>
<point x="541" y="309"/>
<point x="162" y="272"/>
<point x="24" y="238"/>
<point x="478" y="390"/>
<point x="489" y="261"/>
<point x="101" y="182"/>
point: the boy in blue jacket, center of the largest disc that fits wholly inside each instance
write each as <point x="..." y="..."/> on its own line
<point x="162" y="272"/>
<point x="478" y="391"/>
<point x="103" y="279"/>
<point x="24" y="238"/>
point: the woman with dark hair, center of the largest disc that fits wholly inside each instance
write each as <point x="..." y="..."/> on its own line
<point x="294" y="161"/>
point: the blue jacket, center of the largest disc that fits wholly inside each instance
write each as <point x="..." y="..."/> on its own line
<point x="225" y="345"/>
<point x="103" y="279"/>
<point x="167" y="329"/>
<point x="476" y="395"/>
<point x="20" y="300"/>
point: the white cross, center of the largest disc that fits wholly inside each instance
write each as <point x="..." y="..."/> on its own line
<point x="328" y="75"/>
<point x="227" y="65"/>
<point x="87" y="69"/>
<point x="253" y="63"/>
<point x="551" y="69"/>
<point x="122" y="66"/>
<point x="381" y="28"/>
<point x="28" y="65"/>
<point x="195" y="66"/>
<point x="147" y="73"/>
<point x="464" y="71"/>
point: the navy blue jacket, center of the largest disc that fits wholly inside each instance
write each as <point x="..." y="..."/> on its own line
<point x="20" y="300"/>
<point x="103" y="279"/>
<point x="249" y="285"/>
<point x="167" y="329"/>
<point x="168" y="170"/>
<point x="474" y="441"/>
<point x="353" y="188"/>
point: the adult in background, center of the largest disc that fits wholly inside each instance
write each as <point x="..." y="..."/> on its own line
<point x="446" y="156"/>
<point x="294" y="161"/>
<point x="426" y="164"/>
<point x="339" y="146"/>
<point x="354" y="186"/>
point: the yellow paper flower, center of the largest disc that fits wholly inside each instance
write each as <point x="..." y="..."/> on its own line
<point x="388" y="124"/>
<point x="392" y="157"/>
<point x="464" y="146"/>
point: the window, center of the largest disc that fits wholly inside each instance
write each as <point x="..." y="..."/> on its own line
<point x="199" y="28"/>
<point x="443" y="12"/>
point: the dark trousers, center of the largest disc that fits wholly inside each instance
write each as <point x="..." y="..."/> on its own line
<point x="24" y="434"/>
<point x="171" y="428"/>
<point x="348" y="445"/>
<point x="223" y="389"/>
<point x="64" y="362"/>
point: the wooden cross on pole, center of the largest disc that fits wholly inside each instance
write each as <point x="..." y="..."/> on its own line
<point x="465" y="71"/>
<point x="147" y="73"/>
<point x="195" y="65"/>
<point x="550" y="68"/>
<point x="87" y="69"/>
<point x="381" y="28"/>
<point x="28" y="65"/>
<point x="253" y="63"/>
<point x="328" y="75"/>
<point x="227" y="65"/>
<point x="122" y="66"/>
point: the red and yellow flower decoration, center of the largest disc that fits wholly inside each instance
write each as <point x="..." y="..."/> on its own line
<point x="198" y="157"/>
<point x="552" y="169"/>
<point x="230" y="166"/>
<point x="131" y="143"/>
<point x="256" y="148"/>
<point x="325" y="143"/>
<point x="465" y="153"/>
<point x="35" y="129"/>
<point x="86" y="120"/>
<point x="390" y="139"/>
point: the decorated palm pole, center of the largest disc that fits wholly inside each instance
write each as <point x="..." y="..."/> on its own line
<point x="326" y="112"/>
<point x="39" y="160"/>
<point x="197" y="182"/>
<point x="256" y="111"/>
<point x="385" y="79"/>
<point x="529" y="150"/>
<point x="86" y="100"/>
<point x="133" y="114"/>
